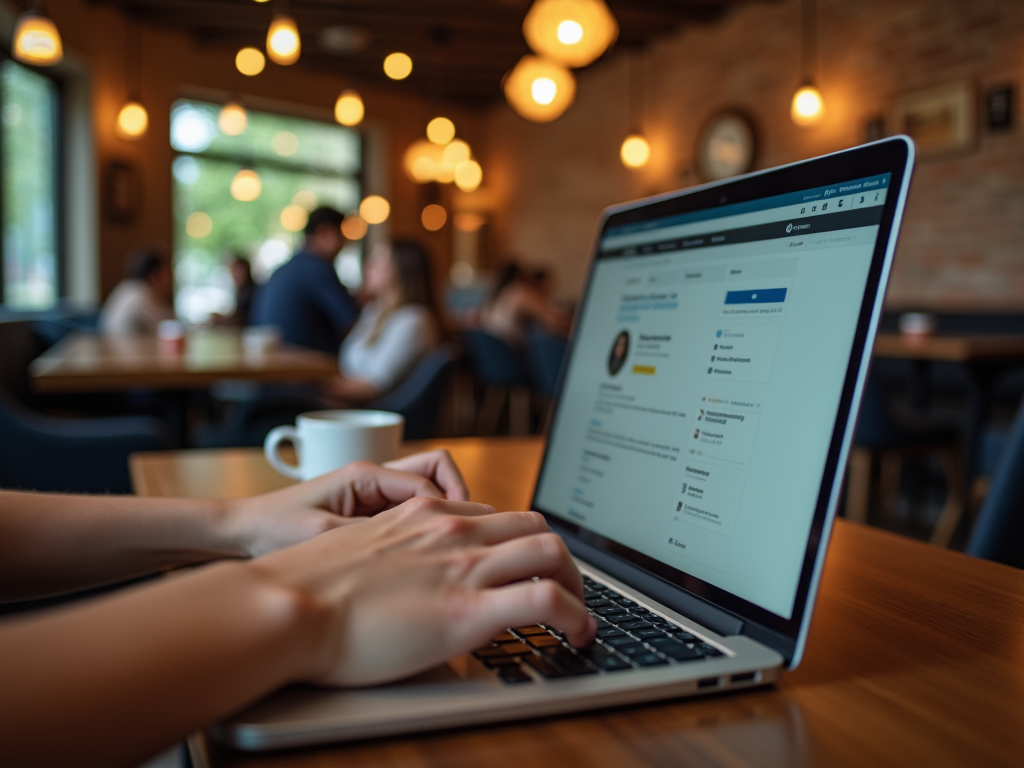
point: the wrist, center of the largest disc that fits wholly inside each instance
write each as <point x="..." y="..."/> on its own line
<point x="232" y="527"/>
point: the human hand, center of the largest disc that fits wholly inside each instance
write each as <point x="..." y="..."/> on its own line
<point x="262" y="524"/>
<point x="422" y="583"/>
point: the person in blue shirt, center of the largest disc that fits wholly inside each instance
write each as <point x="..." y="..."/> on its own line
<point x="304" y="297"/>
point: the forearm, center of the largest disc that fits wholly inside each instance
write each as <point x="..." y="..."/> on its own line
<point x="54" y="544"/>
<point x="123" y="677"/>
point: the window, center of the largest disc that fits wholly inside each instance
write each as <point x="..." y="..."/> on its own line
<point x="30" y="140"/>
<point x="300" y="164"/>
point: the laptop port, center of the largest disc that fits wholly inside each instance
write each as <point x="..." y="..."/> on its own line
<point x="709" y="682"/>
<point x="745" y="677"/>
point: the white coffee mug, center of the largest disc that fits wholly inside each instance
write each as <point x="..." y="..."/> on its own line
<point x="327" y="440"/>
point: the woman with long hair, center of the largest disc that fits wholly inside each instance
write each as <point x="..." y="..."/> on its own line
<point x="396" y="328"/>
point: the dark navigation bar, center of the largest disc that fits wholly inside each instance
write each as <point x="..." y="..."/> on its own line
<point x="796" y="227"/>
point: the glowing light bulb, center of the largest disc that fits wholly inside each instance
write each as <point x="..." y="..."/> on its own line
<point x="132" y="121"/>
<point x="539" y="89"/>
<point x="398" y="66"/>
<point x="233" y="119"/>
<point x="294" y="217"/>
<point x="456" y="152"/>
<point x="349" y="109"/>
<point x="569" y="32"/>
<point x="250" y="61"/>
<point x="283" y="42"/>
<point x="441" y="130"/>
<point x="36" y="40"/>
<point x="808" y="106"/>
<point x="246" y="186"/>
<point x="468" y="175"/>
<point x="353" y="227"/>
<point x="421" y="161"/>
<point x="374" y="209"/>
<point x="543" y="90"/>
<point x="433" y="217"/>
<point x="635" y="151"/>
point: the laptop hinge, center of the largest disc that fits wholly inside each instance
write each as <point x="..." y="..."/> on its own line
<point x="722" y="622"/>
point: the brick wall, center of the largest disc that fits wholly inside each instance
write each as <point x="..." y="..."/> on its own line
<point x="962" y="245"/>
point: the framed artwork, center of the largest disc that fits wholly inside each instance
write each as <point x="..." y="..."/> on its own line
<point x="122" y="193"/>
<point x="941" y="120"/>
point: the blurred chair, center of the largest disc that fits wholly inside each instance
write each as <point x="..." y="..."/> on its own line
<point x="880" y="433"/>
<point x="504" y="375"/>
<point x="544" y="352"/>
<point x="998" y="532"/>
<point x="420" y="396"/>
<point x="49" y="454"/>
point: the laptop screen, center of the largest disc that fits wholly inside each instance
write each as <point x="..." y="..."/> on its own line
<point x="698" y="407"/>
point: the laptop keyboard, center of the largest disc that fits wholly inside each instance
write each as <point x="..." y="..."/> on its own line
<point x="628" y="637"/>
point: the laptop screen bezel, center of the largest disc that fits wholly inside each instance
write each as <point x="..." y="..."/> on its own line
<point x="888" y="156"/>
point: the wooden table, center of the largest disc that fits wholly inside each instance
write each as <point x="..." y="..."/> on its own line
<point x="85" y="362"/>
<point x="915" y="658"/>
<point x="952" y="349"/>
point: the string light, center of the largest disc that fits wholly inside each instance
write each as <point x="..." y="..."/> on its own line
<point x="374" y="209"/>
<point x="349" y="109"/>
<point x="570" y="32"/>
<point x="441" y="130"/>
<point x="433" y="217"/>
<point x="398" y="66"/>
<point x="233" y="119"/>
<point x="456" y="152"/>
<point x="353" y="227"/>
<point x="36" y="40"/>
<point x="421" y="161"/>
<point x="283" y="42"/>
<point x="635" y="151"/>
<point x="540" y="90"/>
<point x="250" y="61"/>
<point x="468" y="175"/>
<point x="132" y="120"/>
<point x="294" y="217"/>
<point x="246" y="186"/>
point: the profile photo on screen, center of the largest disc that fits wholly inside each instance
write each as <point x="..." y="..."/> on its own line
<point x="620" y="351"/>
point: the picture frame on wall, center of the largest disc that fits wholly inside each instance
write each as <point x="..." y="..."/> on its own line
<point x="942" y="120"/>
<point x="122" y="192"/>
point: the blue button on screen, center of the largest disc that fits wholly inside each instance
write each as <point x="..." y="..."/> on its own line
<point x="761" y="296"/>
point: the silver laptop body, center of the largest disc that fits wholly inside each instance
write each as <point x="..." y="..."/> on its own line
<point x="706" y="407"/>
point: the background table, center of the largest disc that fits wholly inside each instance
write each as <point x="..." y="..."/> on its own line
<point x="85" y="362"/>
<point x="915" y="658"/>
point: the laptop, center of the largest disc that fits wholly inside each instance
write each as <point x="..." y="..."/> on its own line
<point x="694" y="460"/>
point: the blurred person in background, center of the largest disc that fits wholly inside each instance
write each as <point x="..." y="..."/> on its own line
<point x="304" y="297"/>
<point x="518" y="301"/>
<point x="144" y="298"/>
<point x="397" y="327"/>
<point x="245" y="293"/>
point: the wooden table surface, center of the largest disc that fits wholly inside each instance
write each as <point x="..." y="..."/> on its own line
<point x="915" y="658"/>
<point x="954" y="349"/>
<point x="86" y="362"/>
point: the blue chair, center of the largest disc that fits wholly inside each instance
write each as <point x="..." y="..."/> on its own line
<point x="504" y="375"/>
<point x="545" y="352"/>
<point x="420" y="396"/>
<point x="998" y="533"/>
<point x="43" y="453"/>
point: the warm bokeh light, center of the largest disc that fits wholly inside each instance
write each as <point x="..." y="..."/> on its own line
<point x="433" y="217"/>
<point x="250" y="61"/>
<point x="445" y="172"/>
<point x="233" y="119"/>
<point x="198" y="224"/>
<point x="398" y="66"/>
<point x="283" y="42"/>
<point x="353" y="227"/>
<point x="349" y="108"/>
<point x="570" y="32"/>
<point x="635" y="151"/>
<point x="540" y="90"/>
<point x="421" y="161"/>
<point x="36" y="40"/>
<point x="441" y="130"/>
<point x="285" y="143"/>
<point x="246" y="186"/>
<point x="468" y="175"/>
<point x="374" y="209"/>
<point x="293" y="218"/>
<point x="808" y="106"/>
<point x="456" y="152"/>
<point x="132" y="121"/>
<point x="468" y="221"/>
<point x="305" y="198"/>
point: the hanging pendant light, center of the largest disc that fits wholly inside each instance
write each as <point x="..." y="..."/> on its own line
<point x="571" y="32"/>
<point x="246" y="186"/>
<point x="132" y="120"/>
<point x="349" y="109"/>
<point x="374" y="209"/>
<point x="233" y="119"/>
<point x="250" y="61"/>
<point x="36" y="39"/>
<point x="441" y="130"/>
<point x="635" y="151"/>
<point x="808" y="107"/>
<point x="283" y="42"/>
<point x="539" y="90"/>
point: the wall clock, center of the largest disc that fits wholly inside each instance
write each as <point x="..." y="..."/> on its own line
<point x="725" y="146"/>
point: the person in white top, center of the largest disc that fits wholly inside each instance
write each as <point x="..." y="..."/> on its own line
<point x="396" y="328"/>
<point x="143" y="299"/>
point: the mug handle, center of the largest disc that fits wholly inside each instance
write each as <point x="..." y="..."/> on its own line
<point x="275" y="437"/>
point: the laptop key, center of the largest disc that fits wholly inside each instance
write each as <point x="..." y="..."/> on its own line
<point x="708" y="650"/>
<point x="504" y="637"/>
<point x="544" y="667"/>
<point x="489" y="652"/>
<point x="495" y="662"/>
<point x="648" y="634"/>
<point x="597" y="602"/>
<point x="635" y="624"/>
<point x="649" y="659"/>
<point x="515" y="649"/>
<point x="607" y="611"/>
<point x="543" y="641"/>
<point x="676" y="650"/>
<point x="534" y="630"/>
<point x="633" y="649"/>
<point x="604" y="658"/>
<point x="609" y="631"/>
<point x="568" y="661"/>
<point x="514" y="675"/>
<point x="615" y="642"/>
